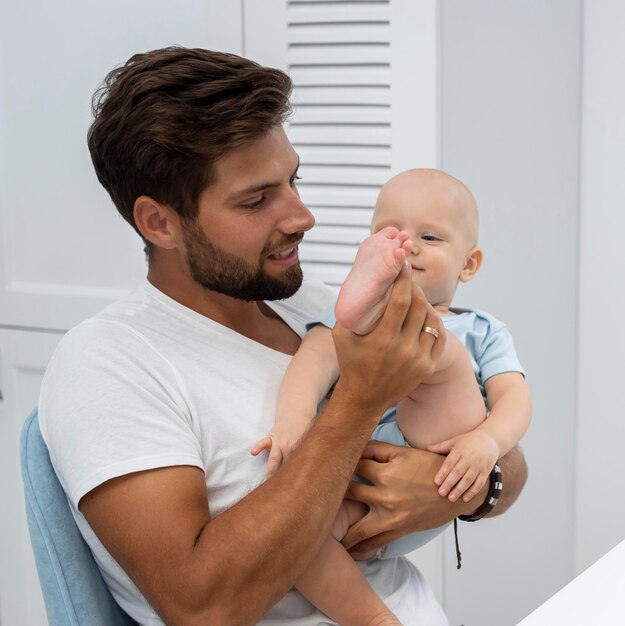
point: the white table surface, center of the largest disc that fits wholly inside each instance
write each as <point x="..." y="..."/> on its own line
<point x="595" y="598"/>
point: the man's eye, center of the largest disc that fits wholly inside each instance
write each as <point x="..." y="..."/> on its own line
<point x="294" y="180"/>
<point x="255" y="204"/>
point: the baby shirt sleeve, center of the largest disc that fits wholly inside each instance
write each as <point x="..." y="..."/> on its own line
<point x="325" y="318"/>
<point x="497" y="354"/>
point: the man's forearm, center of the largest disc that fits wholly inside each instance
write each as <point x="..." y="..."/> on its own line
<point x="514" y="471"/>
<point x="262" y="544"/>
<point x="231" y="568"/>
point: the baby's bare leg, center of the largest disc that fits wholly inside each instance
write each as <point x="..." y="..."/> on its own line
<point x="448" y="404"/>
<point x="366" y="289"/>
<point x="335" y="585"/>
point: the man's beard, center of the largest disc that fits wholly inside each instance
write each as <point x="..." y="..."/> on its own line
<point x="218" y="270"/>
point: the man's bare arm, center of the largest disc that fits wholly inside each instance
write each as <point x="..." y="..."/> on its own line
<point x="196" y="569"/>
<point x="514" y="471"/>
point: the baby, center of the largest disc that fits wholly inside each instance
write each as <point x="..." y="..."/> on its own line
<point x="429" y="220"/>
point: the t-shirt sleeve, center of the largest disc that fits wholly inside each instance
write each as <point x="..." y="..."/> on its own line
<point x="498" y="354"/>
<point x="111" y="405"/>
<point x="325" y="318"/>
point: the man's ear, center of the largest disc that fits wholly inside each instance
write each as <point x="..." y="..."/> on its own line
<point x="472" y="264"/>
<point x="157" y="223"/>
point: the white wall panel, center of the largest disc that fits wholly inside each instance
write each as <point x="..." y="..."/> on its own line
<point x="510" y="130"/>
<point x="600" y="506"/>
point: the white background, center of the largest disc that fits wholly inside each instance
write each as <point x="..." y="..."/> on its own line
<point x="527" y="100"/>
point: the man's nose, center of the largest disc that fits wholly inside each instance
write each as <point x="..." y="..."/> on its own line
<point x="297" y="216"/>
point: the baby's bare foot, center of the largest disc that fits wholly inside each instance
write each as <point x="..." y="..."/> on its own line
<point x="384" y="619"/>
<point x="366" y="289"/>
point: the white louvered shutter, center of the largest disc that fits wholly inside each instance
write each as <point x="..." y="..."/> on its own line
<point x="348" y="96"/>
<point x="338" y="55"/>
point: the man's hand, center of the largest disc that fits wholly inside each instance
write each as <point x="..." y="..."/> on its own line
<point x="403" y="497"/>
<point x="383" y="366"/>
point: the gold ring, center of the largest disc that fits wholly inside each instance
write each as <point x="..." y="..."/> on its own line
<point x="431" y="331"/>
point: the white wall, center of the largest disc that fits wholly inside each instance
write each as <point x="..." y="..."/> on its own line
<point x="510" y="126"/>
<point x="600" y="507"/>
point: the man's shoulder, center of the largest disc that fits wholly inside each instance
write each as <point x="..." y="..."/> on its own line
<point x="112" y="335"/>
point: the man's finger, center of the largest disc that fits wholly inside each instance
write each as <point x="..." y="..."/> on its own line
<point x="368" y="469"/>
<point x="439" y="343"/>
<point x="360" y="492"/>
<point x="361" y="530"/>
<point x="379" y="451"/>
<point x="398" y="306"/>
<point x="373" y="543"/>
<point x="416" y="317"/>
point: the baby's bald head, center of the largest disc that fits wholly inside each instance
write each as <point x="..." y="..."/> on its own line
<point x="434" y="192"/>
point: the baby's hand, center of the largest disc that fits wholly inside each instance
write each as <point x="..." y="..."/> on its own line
<point x="470" y="459"/>
<point x="280" y="441"/>
<point x="276" y="455"/>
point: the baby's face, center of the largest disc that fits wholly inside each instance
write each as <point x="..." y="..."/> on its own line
<point x="442" y="228"/>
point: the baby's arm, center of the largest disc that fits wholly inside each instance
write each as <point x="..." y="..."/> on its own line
<point x="471" y="456"/>
<point x="511" y="410"/>
<point x="311" y="373"/>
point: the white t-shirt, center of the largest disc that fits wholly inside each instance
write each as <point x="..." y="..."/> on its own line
<point x="149" y="383"/>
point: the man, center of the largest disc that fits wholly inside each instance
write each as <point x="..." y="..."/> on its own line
<point x="149" y="409"/>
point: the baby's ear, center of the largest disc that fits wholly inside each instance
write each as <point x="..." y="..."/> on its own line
<point x="472" y="264"/>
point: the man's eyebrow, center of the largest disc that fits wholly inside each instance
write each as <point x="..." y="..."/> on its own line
<point x="236" y="195"/>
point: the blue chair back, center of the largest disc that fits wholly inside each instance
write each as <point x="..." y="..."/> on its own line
<point x="73" y="589"/>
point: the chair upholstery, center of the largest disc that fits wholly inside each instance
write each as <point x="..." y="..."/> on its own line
<point x="73" y="589"/>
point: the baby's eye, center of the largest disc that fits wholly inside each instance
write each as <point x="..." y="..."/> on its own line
<point x="430" y="238"/>
<point x="294" y="180"/>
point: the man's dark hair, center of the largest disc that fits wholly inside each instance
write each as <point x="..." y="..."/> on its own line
<point x="164" y="117"/>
